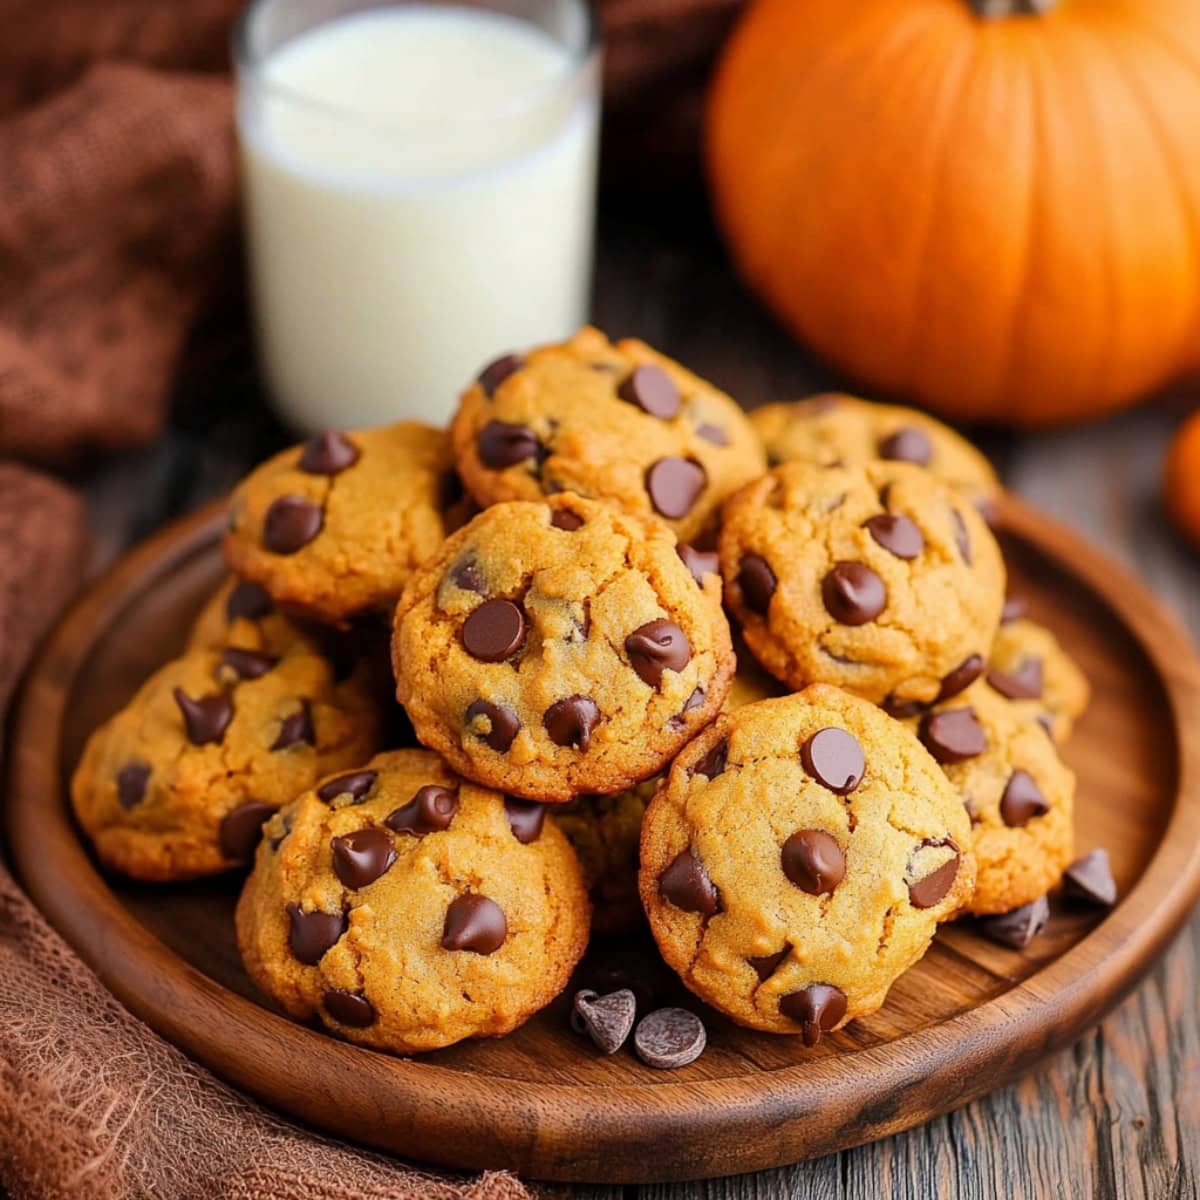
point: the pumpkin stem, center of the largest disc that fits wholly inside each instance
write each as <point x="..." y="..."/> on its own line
<point x="993" y="9"/>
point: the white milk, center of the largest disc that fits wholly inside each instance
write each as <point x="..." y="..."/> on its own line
<point x="419" y="190"/>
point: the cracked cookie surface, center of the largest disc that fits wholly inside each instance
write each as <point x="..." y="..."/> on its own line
<point x="178" y="783"/>
<point x="617" y="422"/>
<point x="559" y="648"/>
<point x="878" y="579"/>
<point x="335" y="527"/>
<point x="799" y="859"/>
<point x="410" y="909"/>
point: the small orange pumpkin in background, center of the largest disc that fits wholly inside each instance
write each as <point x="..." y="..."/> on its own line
<point x="998" y="214"/>
<point x="1181" y="481"/>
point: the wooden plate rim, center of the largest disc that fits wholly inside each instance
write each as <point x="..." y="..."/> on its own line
<point x="807" y="1109"/>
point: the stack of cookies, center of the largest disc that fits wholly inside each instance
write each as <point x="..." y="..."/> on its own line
<point x="795" y="803"/>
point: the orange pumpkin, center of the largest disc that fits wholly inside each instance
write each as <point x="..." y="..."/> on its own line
<point x="997" y="215"/>
<point x="1181" y="482"/>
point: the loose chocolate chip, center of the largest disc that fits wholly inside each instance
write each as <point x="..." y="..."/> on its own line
<point x="356" y="784"/>
<point x="328" y="453"/>
<point x="898" y="535"/>
<point x="756" y="581"/>
<point x="564" y="518"/>
<point x="296" y="728"/>
<point x="903" y="710"/>
<point x="656" y="647"/>
<point x="961" y="537"/>
<point x="526" y="819"/>
<point x="674" y="485"/>
<point x="713" y="763"/>
<point x="853" y="593"/>
<point x="205" y="719"/>
<point x="362" y="857"/>
<point x="349" y="1008"/>
<point x="961" y="677"/>
<point x="816" y="1009"/>
<point x="1014" y="609"/>
<point x="699" y="562"/>
<point x="494" y="631"/>
<point x="1025" y="683"/>
<point x="239" y="831"/>
<point x="932" y="889"/>
<point x="652" y="390"/>
<point x="669" y="1038"/>
<point x="1022" y="800"/>
<point x="1090" y="879"/>
<point x="502" y="445"/>
<point x="247" y="664"/>
<point x="1020" y="926"/>
<point x="430" y="811"/>
<point x="504" y="724"/>
<point x="290" y="524"/>
<point x="713" y="433"/>
<point x="570" y="722"/>
<point x="465" y="574"/>
<point x="813" y="861"/>
<point x="768" y="964"/>
<point x="310" y="934"/>
<point x="907" y="445"/>
<point x="247" y="602"/>
<point x="131" y="784"/>
<point x="954" y="736"/>
<point x="834" y="759"/>
<point x="686" y="884"/>
<point x="474" y="923"/>
<point x="607" y="1020"/>
<point x="495" y="373"/>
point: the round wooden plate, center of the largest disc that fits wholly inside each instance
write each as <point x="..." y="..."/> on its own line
<point x="967" y="1018"/>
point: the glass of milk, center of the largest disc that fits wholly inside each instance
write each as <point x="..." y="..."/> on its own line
<point x="419" y="192"/>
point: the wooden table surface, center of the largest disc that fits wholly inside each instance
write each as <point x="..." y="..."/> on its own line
<point x="1116" y="1116"/>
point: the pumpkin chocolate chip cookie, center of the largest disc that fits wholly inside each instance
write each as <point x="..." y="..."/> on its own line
<point x="878" y="579"/>
<point x="410" y="909"/>
<point x="799" y="859"/>
<point x="616" y="422"/>
<point x="558" y="648"/>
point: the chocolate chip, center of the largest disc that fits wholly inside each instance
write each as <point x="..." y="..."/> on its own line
<point x="570" y="722"/>
<point x="247" y="602"/>
<point x="898" y="535"/>
<point x="607" y="1020"/>
<point x="1014" y="609"/>
<point x="932" y="889"/>
<point x="834" y="759"/>
<point x="903" y="710"/>
<point x="652" y="390"/>
<point x="816" y="1009"/>
<point x="713" y="433"/>
<point x="356" y="785"/>
<point x="756" y="581"/>
<point x="328" y="453"/>
<point x="954" y="736"/>
<point x="205" y="719"/>
<point x="686" y="884"/>
<point x="656" y="647"/>
<point x="669" y="1038"/>
<point x="290" y="524"/>
<point x="285" y="827"/>
<point x="526" y="819"/>
<point x="674" y="485"/>
<point x="564" y="518"/>
<point x="495" y="373"/>
<point x="502" y="445"/>
<point x="131" y="784"/>
<point x="349" y="1008"/>
<point x="494" y="631"/>
<point x="961" y="677"/>
<point x="907" y="445"/>
<point x="1047" y="724"/>
<point x="504" y="724"/>
<point x="1090" y="879"/>
<point x="362" y="857"/>
<point x="768" y="964"/>
<point x="310" y="934"/>
<point x="247" y="664"/>
<point x="713" y="763"/>
<point x="430" y="811"/>
<point x="961" y="537"/>
<point x="699" y="562"/>
<point x="853" y="593"/>
<point x="1020" y="926"/>
<point x="465" y="574"/>
<point x="240" y="830"/>
<point x="813" y="861"/>
<point x="1025" y="683"/>
<point x="296" y="728"/>
<point x="474" y="923"/>
<point x="1022" y="800"/>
